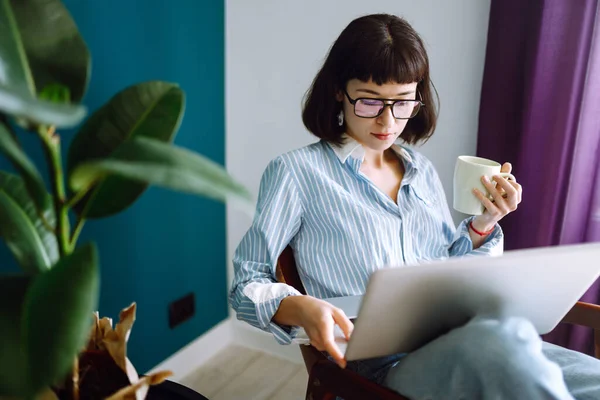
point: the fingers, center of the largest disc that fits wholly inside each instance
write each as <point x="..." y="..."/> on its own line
<point x="499" y="201"/>
<point x="512" y="194"/>
<point x="326" y="337"/>
<point x="505" y="194"/>
<point x="519" y="190"/>
<point x="334" y="351"/>
<point x="506" y="167"/>
<point x="322" y="338"/>
<point x="487" y="203"/>
<point x="344" y="322"/>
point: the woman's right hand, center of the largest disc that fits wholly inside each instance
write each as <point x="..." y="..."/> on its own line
<point x="318" y="318"/>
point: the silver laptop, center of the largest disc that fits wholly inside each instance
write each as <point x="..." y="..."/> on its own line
<point x="406" y="307"/>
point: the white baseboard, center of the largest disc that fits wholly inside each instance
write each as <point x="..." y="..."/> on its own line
<point x="196" y="353"/>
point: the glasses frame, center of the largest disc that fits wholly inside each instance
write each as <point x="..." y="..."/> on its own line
<point x="386" y="103"/>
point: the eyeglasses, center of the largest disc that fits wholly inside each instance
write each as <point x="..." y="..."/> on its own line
<point x="371" y="108"/>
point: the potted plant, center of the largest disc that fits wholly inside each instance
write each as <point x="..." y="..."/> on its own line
<point x="52" y="340"/>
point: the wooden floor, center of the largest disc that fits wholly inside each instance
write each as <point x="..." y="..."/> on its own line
<point x="242" y="373"/>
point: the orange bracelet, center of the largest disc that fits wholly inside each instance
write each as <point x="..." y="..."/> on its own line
<point x="480" y="233"/>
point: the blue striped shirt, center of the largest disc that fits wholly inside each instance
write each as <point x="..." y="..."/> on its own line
<point x="341" y="227"/>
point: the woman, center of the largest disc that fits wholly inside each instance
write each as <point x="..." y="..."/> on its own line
<point x="359" y="199"/>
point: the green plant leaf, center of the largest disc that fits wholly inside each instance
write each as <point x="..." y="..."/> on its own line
<point x="21" y="237"/>
<point x="13" y="363"/>
<point x="13" y="59"/>
<point x="33" y="179"/>
<point x="28" y="110"/>
<point x="17" y="87"/>
<point x="57" y="320"/>
<point x="14" y="187"/>
<point x="149" y="109"/>
<point x="152" y="161"/>
<point x="56" y="52"/>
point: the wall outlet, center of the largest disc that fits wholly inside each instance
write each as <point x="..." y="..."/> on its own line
<point x="181" y="310"/>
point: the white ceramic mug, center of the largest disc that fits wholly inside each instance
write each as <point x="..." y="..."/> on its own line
<point x="467" y="176"/>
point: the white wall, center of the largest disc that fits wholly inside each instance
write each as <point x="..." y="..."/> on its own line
<point x="274" y="49"/>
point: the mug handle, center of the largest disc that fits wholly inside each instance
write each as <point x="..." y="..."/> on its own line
<point x="510" y="177"/>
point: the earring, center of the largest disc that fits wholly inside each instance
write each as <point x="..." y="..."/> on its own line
<point x="341" y="118"/>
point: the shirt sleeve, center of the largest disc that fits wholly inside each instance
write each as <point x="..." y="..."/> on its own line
<point x="255" y="294"/>
<point x="458" y="237"/>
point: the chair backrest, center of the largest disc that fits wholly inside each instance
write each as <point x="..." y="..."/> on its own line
<point x="287" y="271"/>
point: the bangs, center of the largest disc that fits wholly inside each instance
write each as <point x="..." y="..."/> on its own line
<point x="384" y="59"/>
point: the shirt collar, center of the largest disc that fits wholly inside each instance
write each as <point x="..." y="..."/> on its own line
<point x="352" y="148"/>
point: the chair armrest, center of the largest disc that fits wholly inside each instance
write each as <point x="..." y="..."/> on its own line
<point x="327" y="378"/>
<point x="585" y="314"/>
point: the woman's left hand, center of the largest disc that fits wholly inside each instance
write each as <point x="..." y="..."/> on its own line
<point x="506" y="195"/>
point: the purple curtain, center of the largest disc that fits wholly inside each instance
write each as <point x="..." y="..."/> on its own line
<point x="540" y="110"/>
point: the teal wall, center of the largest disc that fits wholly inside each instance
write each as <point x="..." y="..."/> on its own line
<point x="167" y="244"/>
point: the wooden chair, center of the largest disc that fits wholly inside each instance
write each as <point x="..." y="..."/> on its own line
<point x="327" y="380"/>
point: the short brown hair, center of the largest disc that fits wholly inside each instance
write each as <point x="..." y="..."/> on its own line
<point x="380" y="47"/>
